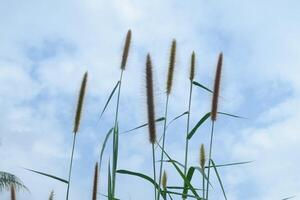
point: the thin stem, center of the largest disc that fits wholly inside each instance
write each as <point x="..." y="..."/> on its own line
<point x="154" y="170"/>
<point x="203" y="183"/>
<point x="163" y="146"/>
<point x="114" y="137"/>
<point x="71" y="164"/>
<point x="209" y="158"/>
<point x="188" y="129"/>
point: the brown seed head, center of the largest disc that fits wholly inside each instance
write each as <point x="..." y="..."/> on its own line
<point x="126" y="50"/>
<point x="95" y="185"/>
<point x="171" y="67"/>
<point x="202" y="156"/>
<point x="80" y="103"/>
<point x="192" y="69"/>
<point x="12" y="192"/>
<point x="150" y="101"/>
<point x="214" y="107"/>
<point x="164" y="180"/>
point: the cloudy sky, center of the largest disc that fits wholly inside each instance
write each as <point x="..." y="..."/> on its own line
<point x="46" y="46"/>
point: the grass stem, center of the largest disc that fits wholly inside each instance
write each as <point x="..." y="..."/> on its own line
<point x="71" y="164"/>
<point x="209" y="157"/>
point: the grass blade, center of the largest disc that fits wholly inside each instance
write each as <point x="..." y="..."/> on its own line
<point x="185" y="113"/>
<point x="231" y="115"/>
<point x="104" y="145"/>
<point x="288" y="198"/>
<point x="143" y="125"/>
<point x="48" y="175"/>
<point x="143" y="176"/>
<point x="201" y="121"/>
<point x="219" y="178"/>
<point x="109" y="98"/>
<point x="232" y="164"/>
<point x="202" y="86"/>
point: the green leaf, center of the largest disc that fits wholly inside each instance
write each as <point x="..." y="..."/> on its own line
<point x="181" y="174"/>
<point x="180" y="194"/>
<point x="231" y="115"/>
<point x="202" y="86"/>
<point x="115" y="155"/>
<point x="219" y="178"/>
<point x="103" y="146"/>
<point x="109" y="182"/>
<point x="109" y="98"/>
<point x="231" y="164"/>
<point x="189" y="177"/>
<point x="143" y="176"/>
<point x="143" y="125"/>
<point x="201" y="121"/>
<point x="48" y="175"/>
<point x="178" y="188"/>
<point x="185" y="113"/>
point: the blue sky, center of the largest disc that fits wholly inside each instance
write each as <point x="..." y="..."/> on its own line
<point x="46" y="46"/>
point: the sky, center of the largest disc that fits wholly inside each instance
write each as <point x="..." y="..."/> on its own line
<point x="46" y="46"/>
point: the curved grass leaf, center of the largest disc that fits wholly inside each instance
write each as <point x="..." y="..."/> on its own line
<point x="201" y="121"/>
<point x="103" y="146"/>
<point x="143" y="176"/>
<point x="181" y="174"/>
<point x="219" y="178"/>
<point x="143" y="125"/>
<point x="109" y="98"/>
<point x="180" y="194"/>
<point x="48" y="175"/>
<point x="231" y="115"/>
<point x="202" y="86"/>
<point x="189" y="177"/>
<point x="288" y="198"/>
<point x="185" y="113"/>
<point x="109" y="182"/>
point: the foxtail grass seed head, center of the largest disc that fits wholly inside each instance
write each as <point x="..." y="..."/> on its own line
<point x="164" y="180"/>
<point x="171" y="67"/>
<point x="192" y="69"/>
<point x="126" y="50"/>
<point x="12" y="192"/>
<point x="95" y="185"/>
<point x="150" y="101"/>
<point x="51" y="196"/>
<point x="202" y="156"/>
<point x="214" y="107"/>
<point x="80" y="103"/>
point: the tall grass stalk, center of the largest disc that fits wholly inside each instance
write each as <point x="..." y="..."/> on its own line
<point x="202" y="161"/>
<point x="192" y="75"/>
<point x="115" y="137"/>
<point x="214" y="111"/>
<point x="76" y="125"/>
<point x="168" y="91"/>
<point x="151" y="113"/>
<point x="95" y="183"/>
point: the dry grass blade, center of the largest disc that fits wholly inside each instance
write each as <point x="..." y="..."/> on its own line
<point x="214" y="108"/>
<point x="126" y="50"/>
<point x="95" y="185"/>
<point x="164" y="180"/>
<point x="80" y="103"/>
<point x="192" y="69"/>
<point x="150" y="101"/>
<point x="171" y="67"/>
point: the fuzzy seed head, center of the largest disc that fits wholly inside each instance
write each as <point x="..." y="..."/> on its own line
<point x="12" y="192"/>
<point x="150" y="101"/>
<point x="95" y="184"/>
<point x="202" y="156"/>
<point x="192" y="69"/>
<point x="80" y="103"/>
<point x="214" y="107"/>
<point x="164" y="180"/>
<point x="126" y="50"/>
<point x="171" y="67"/>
